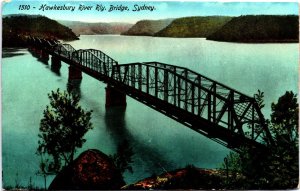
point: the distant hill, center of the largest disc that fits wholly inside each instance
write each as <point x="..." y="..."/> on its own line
<point x="17" y="15"/>
<point x="260" y="28"/>
<point x="96" y="28"/>
<point x="193" y="26"/>
<point x="147" y="27"/>
<point x="14" y="27"/>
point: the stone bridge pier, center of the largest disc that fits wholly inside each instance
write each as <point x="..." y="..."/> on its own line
<point x="74" y="73"/>
<point x="55" y="62"/>
<point x="40" y="53"/>
<point x="44" y="55"/>
<point x="55" y="65"/>
<point x="114" y="97"/>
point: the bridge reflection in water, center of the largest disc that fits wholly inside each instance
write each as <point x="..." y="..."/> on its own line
<point x="215" y="110"/>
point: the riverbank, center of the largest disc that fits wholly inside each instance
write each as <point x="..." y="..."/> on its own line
<point x="189" y="177"/>
<point x="94" y="170"/>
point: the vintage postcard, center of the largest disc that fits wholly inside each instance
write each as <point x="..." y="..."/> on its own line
<point x="149" y="95"/>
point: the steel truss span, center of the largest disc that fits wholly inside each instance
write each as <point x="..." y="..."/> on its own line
<point x="215" y="110"/>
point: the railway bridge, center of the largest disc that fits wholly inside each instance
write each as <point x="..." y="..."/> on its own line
<point x="208" y="107"/>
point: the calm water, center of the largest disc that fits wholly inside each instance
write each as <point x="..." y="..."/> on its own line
<point x="159" y="143"/>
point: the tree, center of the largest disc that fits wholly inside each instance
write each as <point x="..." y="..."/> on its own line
<point x="123" y="158"/>
<point x="62" y="128"/>
<point x="276" y="167"/>
<point x="259" y="97"/>
<point x="284" y="127"/>
<point x="232" y="164"/>
<point x="284" y="117"/>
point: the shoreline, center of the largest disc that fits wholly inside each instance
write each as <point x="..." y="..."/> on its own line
<point x="273" y="41"/>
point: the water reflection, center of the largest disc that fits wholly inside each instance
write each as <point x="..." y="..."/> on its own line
<point x="116" y="124"/>
<point x="40" y="58"/>
<point x="146" y="157"/>
<point x="73" y="86"/>
<point x="11" y="52"/>
<point x="33" y="53"/>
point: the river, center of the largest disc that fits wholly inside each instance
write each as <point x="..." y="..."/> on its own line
<point x="159" y="143"/>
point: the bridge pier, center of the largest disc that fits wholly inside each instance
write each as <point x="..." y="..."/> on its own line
<point x="36" y="52"/>
<point x="44" y="55"/>
<point x="74" y="73"/>
<point x="55" y="65"/>
<point x="55" y="62"/>
<point x="114" y="97"/>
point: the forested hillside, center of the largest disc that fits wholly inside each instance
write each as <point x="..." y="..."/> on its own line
<point x="14" y="27"/>
<point x="193" y="26"/>
<point x="260" y="28"/>
<point x="147" y="27"/>
<point x="84" y="28"/>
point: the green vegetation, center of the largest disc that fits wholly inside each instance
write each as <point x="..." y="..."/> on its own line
<point x="147" y="27"/>
<point x="123" y="158"/>
<point x="16" y="27"/>
<point x="277" y="167"/>
<point x="193" y="26"/>
<point x="61" y="131"/>
<point x="260" y="28"/>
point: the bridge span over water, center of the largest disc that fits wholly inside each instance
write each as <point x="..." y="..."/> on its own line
<point x="210" y="108"/>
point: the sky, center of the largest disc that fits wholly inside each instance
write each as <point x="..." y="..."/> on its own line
<point x="162" y="9"/>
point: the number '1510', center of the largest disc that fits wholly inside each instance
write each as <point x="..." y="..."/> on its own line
<point x="24" y="7"/>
